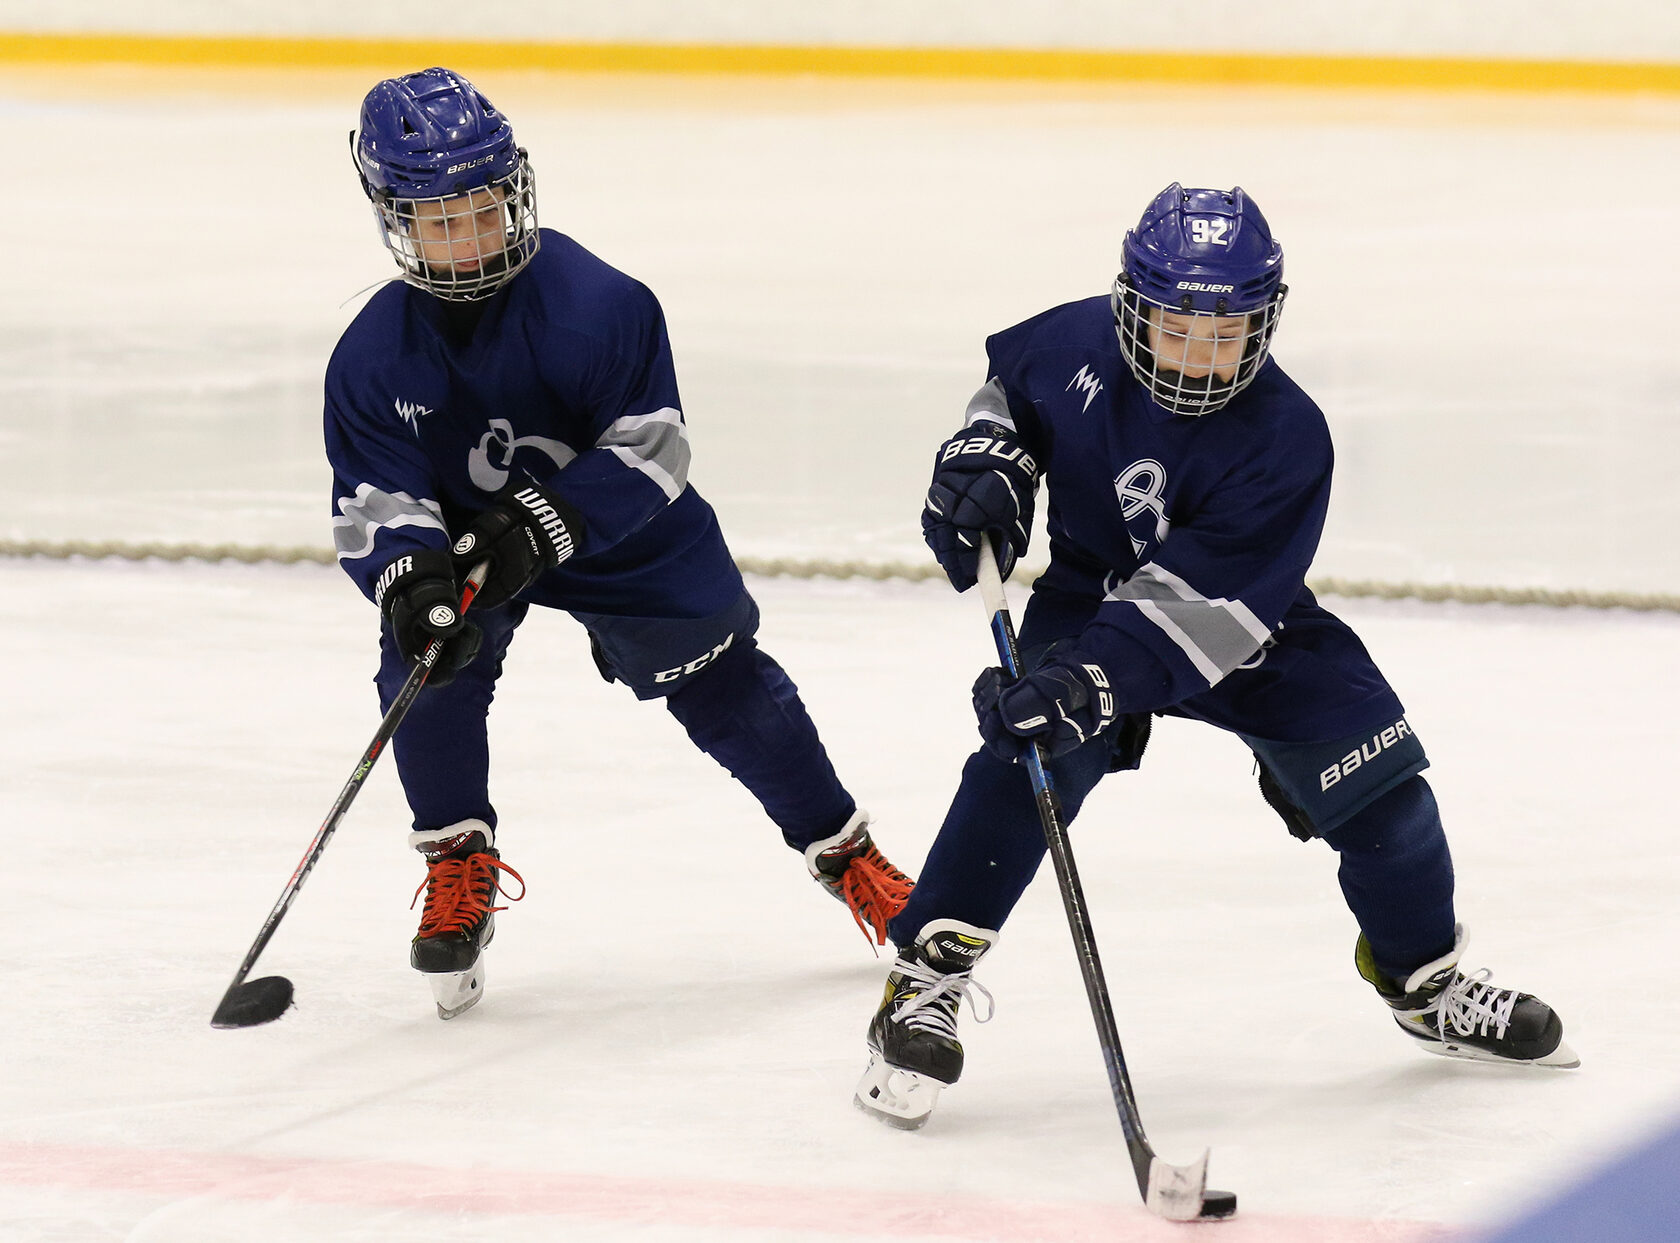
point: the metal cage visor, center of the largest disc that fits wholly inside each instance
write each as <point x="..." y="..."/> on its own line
<point x="1180" y="367"/>
<point x="463" y="247"/>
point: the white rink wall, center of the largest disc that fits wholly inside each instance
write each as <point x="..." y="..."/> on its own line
<point x="1609" y="30"/>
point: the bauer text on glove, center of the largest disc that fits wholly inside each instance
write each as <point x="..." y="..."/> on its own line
<point x="984" y="480"/>
<point x="1057" y="705"/>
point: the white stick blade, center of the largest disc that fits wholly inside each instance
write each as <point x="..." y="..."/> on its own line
<point x="1175" y="1191"/>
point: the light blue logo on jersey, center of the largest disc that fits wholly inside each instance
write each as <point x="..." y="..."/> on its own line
<point x="490" y="463"/>
<point x="1143" y="507"/>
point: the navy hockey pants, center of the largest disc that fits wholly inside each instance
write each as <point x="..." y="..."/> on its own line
<point x="735" y="702"/>
<point x="1324" y="726"/>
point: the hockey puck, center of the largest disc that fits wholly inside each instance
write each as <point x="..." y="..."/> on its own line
<point x="1218" y="1204"/>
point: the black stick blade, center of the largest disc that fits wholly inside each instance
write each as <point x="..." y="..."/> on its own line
<point x="254" y="1002"/>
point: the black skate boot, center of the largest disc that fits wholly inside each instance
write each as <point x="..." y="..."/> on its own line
<point x="913" y="1045"/>
<point x="459" y="917"/>
<point x="851" y="868"/>
<point x="1458" y="1015"/>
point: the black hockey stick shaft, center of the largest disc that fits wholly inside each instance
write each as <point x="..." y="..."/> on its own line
<point x="1186" y="1200"/>
<point x="231" y="1012"/>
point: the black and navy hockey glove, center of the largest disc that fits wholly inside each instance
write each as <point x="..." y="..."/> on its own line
<point x="984" y="480"/>
<point x="527" y="531"/>
<point x="419" y="600"/>
<point x="1058" y="705"/>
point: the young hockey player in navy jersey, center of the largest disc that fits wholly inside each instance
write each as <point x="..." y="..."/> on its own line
<point x="512" y="401"/>
<point x="1188" y="479"/>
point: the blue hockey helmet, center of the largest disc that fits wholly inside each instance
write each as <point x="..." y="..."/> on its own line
<point x="1201" y="273"/>
<point x="453" y="193"/>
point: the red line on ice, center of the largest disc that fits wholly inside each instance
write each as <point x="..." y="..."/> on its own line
<point x="839" y="1211"/>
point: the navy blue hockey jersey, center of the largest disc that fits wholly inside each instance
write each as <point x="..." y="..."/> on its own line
<point x="564" y="376"/>
<point x="1194" y="534"/>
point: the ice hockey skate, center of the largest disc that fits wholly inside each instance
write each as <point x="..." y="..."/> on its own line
<point x="1459" y="1015"/>
<point x="458" y="919"/>
<point x="852" y="868"/>
<point x="914" y="1053"/>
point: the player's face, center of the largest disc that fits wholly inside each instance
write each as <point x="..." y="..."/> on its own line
<point x="1197" y="346"/>
<point x="461" y="235"/>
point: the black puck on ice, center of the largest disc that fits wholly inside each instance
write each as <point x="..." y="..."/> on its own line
<point x="1217" y="1204"/>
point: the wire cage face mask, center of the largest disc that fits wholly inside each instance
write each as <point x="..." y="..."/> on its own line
<point x="464" y="247"/>
<point x="1161" y="355"/>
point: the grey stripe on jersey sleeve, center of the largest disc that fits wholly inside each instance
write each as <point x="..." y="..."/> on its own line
<point x="655" y="444"/>
<point x="1216" y="634"/>
<point x="990" y="403"/>
<point x="363" y="516"/>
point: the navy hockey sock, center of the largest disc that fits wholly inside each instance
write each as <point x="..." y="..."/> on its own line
<point x="1397" y="876"/>
<point x="745" y="712"/>
<point x="442" y="747"/>
<point x="991" y="843"/>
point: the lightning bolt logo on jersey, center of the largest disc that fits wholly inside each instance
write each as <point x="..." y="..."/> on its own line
<point x="1087" y="384"/>
<point x="411" y="412"/>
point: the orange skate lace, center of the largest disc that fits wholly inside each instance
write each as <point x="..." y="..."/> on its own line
<point x="458" y="893"/>
<point x="875" y="891"/>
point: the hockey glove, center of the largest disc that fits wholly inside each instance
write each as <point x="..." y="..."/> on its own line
<point x="1060" y="706"/>
<point x="527" y="531"/>
<point x="984" y="480"/>
<point x="417" y="596"/>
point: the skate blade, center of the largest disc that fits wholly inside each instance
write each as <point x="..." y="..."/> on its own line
<point x="1560" y="1058"/>
<point x="900" y="1098"/>
<point x="456" y="992"/>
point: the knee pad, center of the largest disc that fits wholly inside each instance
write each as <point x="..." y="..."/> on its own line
<point x="1317" y="787"/>
<point x="743" y="691"/>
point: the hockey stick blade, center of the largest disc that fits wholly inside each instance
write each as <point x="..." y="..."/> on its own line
<point x="1179" y="1193"/>
<point x="252" y="1003"/>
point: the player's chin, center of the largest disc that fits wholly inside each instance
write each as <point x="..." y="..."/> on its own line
<point x="469" y="274"/>
<point x="1194" y="386"/>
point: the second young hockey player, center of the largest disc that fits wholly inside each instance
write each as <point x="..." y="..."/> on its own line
<point x="1188" y="480"/>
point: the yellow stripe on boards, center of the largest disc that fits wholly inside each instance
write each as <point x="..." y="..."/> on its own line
<point x="1212" y="69"/>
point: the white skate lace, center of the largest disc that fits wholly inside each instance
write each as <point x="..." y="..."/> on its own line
<point x="1470" y="1005"/>
<point x="934" y="1009"/>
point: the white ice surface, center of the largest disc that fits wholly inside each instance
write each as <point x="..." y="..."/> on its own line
<point x="675" y="1018"/>
<point x="675" y="1014"/>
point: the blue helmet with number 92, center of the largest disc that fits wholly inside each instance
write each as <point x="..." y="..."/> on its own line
<point x="453" y="193"/>
<point x="1198" y="298"/>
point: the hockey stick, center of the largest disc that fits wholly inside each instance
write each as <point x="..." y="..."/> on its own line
<point x="248" y="1003"/>
<point x="1176" y="1192"/>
